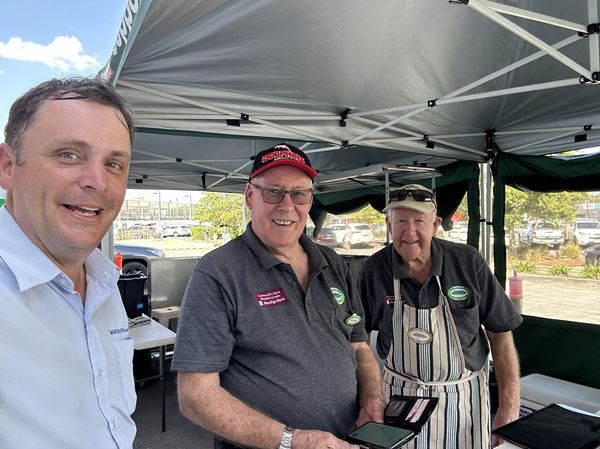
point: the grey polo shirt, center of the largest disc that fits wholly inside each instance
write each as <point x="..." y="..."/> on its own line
<point x="475" y="296"/>
<point x="280" y="350"/>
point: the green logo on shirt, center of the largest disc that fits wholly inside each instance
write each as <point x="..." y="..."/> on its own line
<point x="458" y="293"/>
<point x="338" y="295"/>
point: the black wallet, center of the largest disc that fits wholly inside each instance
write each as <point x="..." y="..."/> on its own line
<point x="404" y="417"/>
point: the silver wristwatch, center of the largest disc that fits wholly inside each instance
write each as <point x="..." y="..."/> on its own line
<point x="286" y="438"/>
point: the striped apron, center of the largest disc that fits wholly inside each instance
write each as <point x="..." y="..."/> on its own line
<point x="426" y="359"/>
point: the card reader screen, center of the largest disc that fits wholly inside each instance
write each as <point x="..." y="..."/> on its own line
<point x="380" y="435"/>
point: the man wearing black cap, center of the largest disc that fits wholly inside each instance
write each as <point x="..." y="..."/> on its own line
<point x="435" y="304"/>
<point x="271" y="347"/>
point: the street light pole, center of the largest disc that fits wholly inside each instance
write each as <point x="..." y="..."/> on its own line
<point x="191" y="208"/>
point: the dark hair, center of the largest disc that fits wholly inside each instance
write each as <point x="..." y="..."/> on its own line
<point x="23" y="111"/>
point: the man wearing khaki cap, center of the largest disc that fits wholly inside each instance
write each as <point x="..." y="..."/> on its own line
<point x="435" y="304"/>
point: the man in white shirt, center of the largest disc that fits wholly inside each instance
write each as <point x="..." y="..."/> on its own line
<point x="66" y="376"/>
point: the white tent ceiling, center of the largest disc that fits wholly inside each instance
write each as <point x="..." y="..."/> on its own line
<point x="357" y="84"/>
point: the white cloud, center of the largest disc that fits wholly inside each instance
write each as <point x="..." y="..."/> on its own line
<point x="64" y="53"/>
<point x="2" y="72"/>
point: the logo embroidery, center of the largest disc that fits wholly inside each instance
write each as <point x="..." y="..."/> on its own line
<point x="458" y="293"/>
<point x="338" y="295"/>
<point x="419" y="336"/>
<point x="270" y="298"/>
<point x="390" y="299"/>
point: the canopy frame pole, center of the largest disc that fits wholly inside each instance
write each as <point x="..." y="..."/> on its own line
<point x="534" y="16"/>
<point x="485" y="182"/>
<point x="480" y="96"/>
<point x="509" y="68"/>
<point x="481" y="7"/>
<point x="233" y="115"/>
<point x="594" y="39"/>
<point x="540" y="141"/>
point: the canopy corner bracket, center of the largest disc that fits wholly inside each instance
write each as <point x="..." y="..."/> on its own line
<point x="428" y="143"/>
<point x="344" y="116"/>
<point x="238" y="122"/>
<point x="595" y="79"/>
<point x="432" y="103"/>
<point x="459" y="2"/>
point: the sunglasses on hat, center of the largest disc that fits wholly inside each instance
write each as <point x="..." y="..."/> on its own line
<point x="422" y="196"/>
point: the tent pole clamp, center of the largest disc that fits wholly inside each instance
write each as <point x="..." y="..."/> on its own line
<point x="344" y="116"/>
<point x="428" y="143"/>
<point x="459" y="2"/>
<point x="432" y="103"/>
<point x="595" y="79"/>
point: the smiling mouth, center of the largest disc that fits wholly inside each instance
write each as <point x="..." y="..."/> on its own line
<point x="83" y="210"/>
<point x="283" y="222"/>
<point x="410" y="243"/>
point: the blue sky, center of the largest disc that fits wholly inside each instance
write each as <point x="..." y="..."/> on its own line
<point x="42" y="39"/>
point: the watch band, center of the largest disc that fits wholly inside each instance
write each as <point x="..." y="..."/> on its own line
<point x="286" y="438"/>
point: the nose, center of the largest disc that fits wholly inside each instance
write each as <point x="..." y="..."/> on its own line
<point x="94" y="176"/>
<point x="286" y="202"/>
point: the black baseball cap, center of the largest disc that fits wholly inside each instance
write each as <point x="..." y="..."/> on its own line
<point x="282" y="154"/>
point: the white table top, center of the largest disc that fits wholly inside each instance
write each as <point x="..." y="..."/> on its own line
<point x="151" y="335"/>
<point x="507" y="446"/>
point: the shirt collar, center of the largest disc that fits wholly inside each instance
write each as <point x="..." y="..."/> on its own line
<point x="31" y="267"/>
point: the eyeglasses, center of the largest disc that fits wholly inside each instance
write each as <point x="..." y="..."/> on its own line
<point x="275" y="196"/>
<point x="418" y="195"/>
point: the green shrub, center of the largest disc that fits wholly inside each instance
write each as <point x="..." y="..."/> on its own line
<point x="525" y="266"/>
<point x="572" y="251"/>
<point x="560" y="269"/>
<point x="591" y="272"/>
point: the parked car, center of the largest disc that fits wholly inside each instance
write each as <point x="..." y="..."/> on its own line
<point x="361" y="234"/>
<point x="592" y="255"/>
<point x="135" y="258"/>
<point x="543" y="233"/>
<point x="326" y="236"/>
<point x="586" y="232"/>
<point x="458" y="233"/>
<point x="176" y="231"/>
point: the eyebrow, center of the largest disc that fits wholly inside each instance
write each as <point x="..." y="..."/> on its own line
<point x="83" y="144"/>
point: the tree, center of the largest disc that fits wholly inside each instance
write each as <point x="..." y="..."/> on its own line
<point x="221" y="209"/>
<point x="368" y="215"/>
<point x="559" y="206"/>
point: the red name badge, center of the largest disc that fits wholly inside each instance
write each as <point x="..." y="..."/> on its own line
<point x="270" y="298"/>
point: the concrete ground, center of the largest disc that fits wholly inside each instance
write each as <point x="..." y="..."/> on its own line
<point x="180" y="433"/>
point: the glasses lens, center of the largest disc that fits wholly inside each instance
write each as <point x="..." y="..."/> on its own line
<point x="301" y="197"/>
<point x="421" y="195"/>
<point x="272" y="196"/>
<point x="275" y="196"/>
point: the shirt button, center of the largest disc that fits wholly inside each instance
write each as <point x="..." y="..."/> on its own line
<point x="113" y="425"/>
<point x="100" y="373"/>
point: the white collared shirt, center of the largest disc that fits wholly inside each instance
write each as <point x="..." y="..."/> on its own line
<point x="66" y="378"/>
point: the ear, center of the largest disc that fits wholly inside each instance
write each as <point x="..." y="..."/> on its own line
<point x="7" y="166"/>
<point x="388" y="221"/>
<point x="437" y="221"/>
<point x="248" y="195"/>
